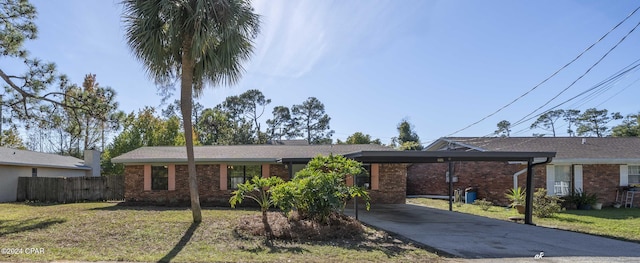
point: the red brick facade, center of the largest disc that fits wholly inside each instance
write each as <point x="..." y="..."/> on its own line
<point x="493" y="179"/>
<point x="208" y="186"/>
<point x="392" y="185"/>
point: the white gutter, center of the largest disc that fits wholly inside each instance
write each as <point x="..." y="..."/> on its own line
<point x="596" y="161"/>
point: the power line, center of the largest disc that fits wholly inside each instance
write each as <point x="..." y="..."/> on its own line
<point x="551" y="76"/>
<point x="599" y="88"/>
<point x="583" y="74"/>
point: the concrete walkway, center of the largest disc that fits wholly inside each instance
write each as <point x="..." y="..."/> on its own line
<point x="474" y="237"/>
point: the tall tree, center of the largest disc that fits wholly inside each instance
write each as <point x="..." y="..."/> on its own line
<point x="360" y="138"/>
<point x="407" y="138"/>
<point x="142" y="129"/>
<point x="34" y="89"/>
<point x="201" y="41"/>
<point x="504" y="128"/>
<point x="312" y="121"/>
<point x="281" y="125"/>
<point x="248" y="107"/>
<point x="11" y="139"/>
<point x="571" y="117"/>
<point x="91" y="126"/>
<point x="216" y="128"/>
<point x="594" y="122"/>
<point x="547" y="121"/>
<point x="173" y="109"/>
<point x="630" y="127"/>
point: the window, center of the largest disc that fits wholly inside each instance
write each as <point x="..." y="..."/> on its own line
<point x="159" y="178"/>
<point x="634" y="174"/>
<point x="239" y="174"/>
<point x="34" y="172"/>
<point x="563" y="180"/>
<point x="364" y="179"/>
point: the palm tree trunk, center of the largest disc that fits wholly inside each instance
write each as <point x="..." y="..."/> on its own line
<point x="186" y="105"/>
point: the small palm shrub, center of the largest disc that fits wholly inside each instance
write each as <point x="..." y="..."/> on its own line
<point x="516" y="196"/>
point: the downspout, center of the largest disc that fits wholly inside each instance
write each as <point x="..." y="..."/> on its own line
<point x="515" y="177"/>
<point x="528" y="215"/>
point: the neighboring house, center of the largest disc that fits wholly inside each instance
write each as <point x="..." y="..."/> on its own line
<point x="595" y="165"/>
<point x="159" y="174"/>
<point x="20" y="163"/>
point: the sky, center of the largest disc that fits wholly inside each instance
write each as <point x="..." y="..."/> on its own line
<point x="442" y="65"/>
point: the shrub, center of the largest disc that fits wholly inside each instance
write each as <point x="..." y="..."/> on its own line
<point x="259" y="190"/>
<point x="545" y="205"/>
<point x="516" y="196"/>
<point x="483" y="203"/>
<point x="582" y="199"/>
<point x="320" y="189"/>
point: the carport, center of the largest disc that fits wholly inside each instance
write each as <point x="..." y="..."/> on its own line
<point x="455" y="156"/>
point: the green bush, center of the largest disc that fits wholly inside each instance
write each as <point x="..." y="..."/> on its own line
<point x="483" y="203"/>
<point x="320" y="188"/>
<point x="258" y="189"/>
<point x="582" y="199"/>
<point x="545" y="205"/>
<point x="516" y="196"/>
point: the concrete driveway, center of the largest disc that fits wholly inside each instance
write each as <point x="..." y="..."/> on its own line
<point x="473" y="237"/>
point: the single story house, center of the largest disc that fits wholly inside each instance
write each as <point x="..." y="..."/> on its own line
<point x="604" y="166"/>
<point x="159" y="174"/>
<point x="21" y="163"/>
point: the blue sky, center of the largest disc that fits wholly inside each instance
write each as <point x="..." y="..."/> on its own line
<point x="441" y="64"/>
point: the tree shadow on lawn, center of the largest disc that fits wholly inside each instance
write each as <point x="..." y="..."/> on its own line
<point x="181" y="243"/>
<point x="16" y="226"/>
<point x="140" y="206"/>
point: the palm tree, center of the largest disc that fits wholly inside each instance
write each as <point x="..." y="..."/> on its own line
<point x="199" y="41"/>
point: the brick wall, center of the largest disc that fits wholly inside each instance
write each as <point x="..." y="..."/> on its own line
<point x="603" y="180"/>
<point x="392" y="185"/>
<point x="279" y="170"/>
<point x="492" y="179"/>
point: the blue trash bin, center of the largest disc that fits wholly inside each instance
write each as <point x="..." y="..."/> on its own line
<point x="470" y="195"/>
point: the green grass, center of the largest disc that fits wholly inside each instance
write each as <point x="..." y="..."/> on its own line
<point x="106" y="232"/>
<point x="618" y="223"/>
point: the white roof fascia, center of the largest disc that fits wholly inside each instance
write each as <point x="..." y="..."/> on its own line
<point x="595" y="161"/>
<point x="198" y="160"/>
<point x="38" y="165"/>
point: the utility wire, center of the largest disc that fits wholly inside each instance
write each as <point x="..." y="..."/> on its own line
<point x="599" y="87"/>
<point x="551" y="76"/>
<point x="583" y="74"/>
<point x="601" y="84"/>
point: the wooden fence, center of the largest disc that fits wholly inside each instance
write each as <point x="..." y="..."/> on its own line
<point x="70" y="189"/>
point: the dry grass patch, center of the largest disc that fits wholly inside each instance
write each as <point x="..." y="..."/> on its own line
<point x="108" y="232"/>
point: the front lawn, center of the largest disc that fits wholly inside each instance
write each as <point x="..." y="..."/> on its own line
<point x="107" y="232"/>
<point x="618" y="223"/>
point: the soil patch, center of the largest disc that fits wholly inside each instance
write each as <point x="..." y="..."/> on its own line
<point x="293" y="228"/>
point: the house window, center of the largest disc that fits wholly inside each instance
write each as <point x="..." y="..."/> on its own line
<point x="634" y="174"/>
<point x="34" y="172"/>
<point x="239" y="174"/>
<point x="364" y="179"/>
<point x="159" y="178"/>
<point x="562" y="182"/>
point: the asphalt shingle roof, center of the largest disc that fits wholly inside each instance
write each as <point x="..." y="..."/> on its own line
<point x="565" y="147"/>
<point x="15" y="157"/>
<point x="240" y="153"/>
